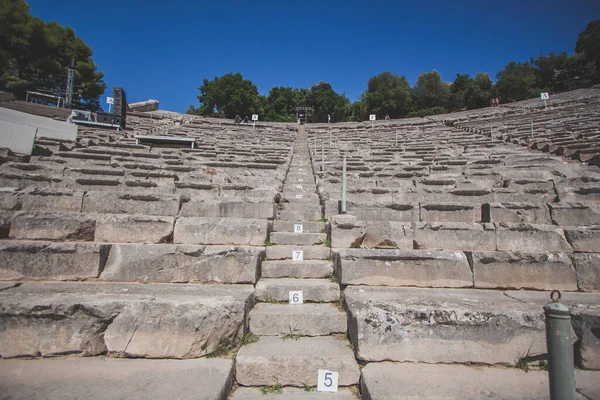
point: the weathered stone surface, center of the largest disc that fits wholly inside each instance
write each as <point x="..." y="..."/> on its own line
<point x="435" y="212"/>
<point x="388" y="235"/>
<point x="314" y="289"/>
<point x="390" y="381"/>
<point x="585" y="239"/>
<point x="57" y="200"/>
<point x="588" y="271"/>
<point x="305" y="319"/>
<point x="48" y="260"/>
<point x="403" y="268"/>
<point x="575" y="214"/>
<point x="544" y="271"/>
<point x="6" y="219"/>
<point x="290" y="393"/>
<point x="102" y="378"/>
<point x="9" y="199"/>
<point x="299" y="215"/>
<point x="229" y="208"/>
<point x="134" y="229"/>
<point x="297" y="269"/>
<point x="131" y="203"/>
<point x="53" y="226"/>
<point x="442" y="325"/>
<point x="237" y="231"/>
<point x="531" y="238"/>
<point x="295" y="362"/>
<point x="302" y="239"/>
<point x="347" y="231"/>
<point x="308" y="227"/>
<point x="394" y="212"/>
<point x="516" y="213"/>
<point x="182" y="263"/>
<point x="454" y="236"/>
<point x="125" y="319"/>
<point x="285" y="252"/>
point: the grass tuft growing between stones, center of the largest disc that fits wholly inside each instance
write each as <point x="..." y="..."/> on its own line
<point x="268" y="243"/>
<point x="275" y="389"/>
<point x="222" y="351"/>
<point x="269" y="299"/>
<point x="292" y="334"/>
<point x="250" y="338"/>
<point x="308" y="388"/>
<point x="328" y="243"/>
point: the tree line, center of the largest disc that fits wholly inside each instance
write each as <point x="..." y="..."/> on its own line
<point x="389" y="94"/>
<point x="35" y="55"/>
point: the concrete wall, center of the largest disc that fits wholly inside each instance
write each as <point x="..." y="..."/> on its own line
<point x="17" y="137"/>
<point x="47" y="127"/>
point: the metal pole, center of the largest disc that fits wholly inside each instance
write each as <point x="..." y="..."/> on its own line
<point x="330" y="137"/>
<point x="322" y="156"/>
<point x="491" y="131"/>
<point x="531" y="128"/>
<point x="344" y="186"/>
<point x="396" y="137"/>
<point x="559" y="342"/>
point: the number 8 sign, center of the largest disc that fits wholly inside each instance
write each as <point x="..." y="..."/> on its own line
<point x="327" y="381"/>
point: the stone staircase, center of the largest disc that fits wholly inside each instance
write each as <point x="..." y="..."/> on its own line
<point x="294" y="341"/>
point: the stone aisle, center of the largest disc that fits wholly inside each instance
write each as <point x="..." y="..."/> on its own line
<point x="291" y="342"/>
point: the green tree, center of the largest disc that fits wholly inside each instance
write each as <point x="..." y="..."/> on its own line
<point x="36" y="55"/>
<point x="387" y="93"/>
<point x="588" y="43"/>
<point x="549" y="70"/>
<point x="326" y="101"/>
<point x="517" y="81"/>
<point x="228" y="96"/>
<point x="430" y="91"/>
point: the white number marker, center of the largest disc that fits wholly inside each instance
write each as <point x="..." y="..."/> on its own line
<point x="298" y="228"/>
<point x="296" y="297"/>
<point x="298" y="255"/>
<point x="298" y="186"/>
<point x="298" y="196"/>
<point x="327" y="381"/>
<point x="300" y="180"/>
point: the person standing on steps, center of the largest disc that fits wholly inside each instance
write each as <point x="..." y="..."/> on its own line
<point x="328" y="118"/>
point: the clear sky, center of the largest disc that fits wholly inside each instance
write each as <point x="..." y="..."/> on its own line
<point x="164" y="49"/>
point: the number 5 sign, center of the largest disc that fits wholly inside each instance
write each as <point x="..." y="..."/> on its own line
<point x="327" y="381"/>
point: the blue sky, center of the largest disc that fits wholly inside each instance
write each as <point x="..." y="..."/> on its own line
<point x="164" y="49"/>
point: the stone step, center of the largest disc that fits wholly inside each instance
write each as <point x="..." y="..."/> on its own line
<point x="463" y="325"/>
<point x="300" y="215"/>
<point x="314" y="290"/>
<point x="121" y="319"/>
<point x="105" y="378"/>
<point x="305" y="319"/>
<point x="297" y="269"/>
<point x="290" y="393"/>
<point x="282" y="252"/>
<point x="292" y="362"/>
<point x="302" y="239"/>
<point x="301" y="206"/>
<point x="383" y="381"/>
<point x="307" y="226"/>
<point x="293" y="188"/>
<point x="290" y="197"/>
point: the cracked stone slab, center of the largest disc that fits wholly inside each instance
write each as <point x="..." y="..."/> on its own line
<point x="290" y="393"/>
<point x="53" y="226"/>
<point x="391" y="381"/>
<point x="134" y="228"/>
<point x="125" y="319"/>
<point x="295" y="362"/>
<point x="219" y="231"/>
<point x="105" y="378"/>
<point x="306" y="319"/>
<point x="387" y="267"/>
<point x="168" y="263"/>
<point x="531" y="238"/>
<point x="131" y="203"/>
<point x="454" y="236"/>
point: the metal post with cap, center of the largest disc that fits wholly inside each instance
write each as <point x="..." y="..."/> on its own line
<point x="559" y="342"/>
<point x="344" y="186"/>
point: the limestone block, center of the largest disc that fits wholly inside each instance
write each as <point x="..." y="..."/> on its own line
<point x="347" y="231"/>
<point x="587" y="266"/>
<point x="435" y="212"/>
<point x="291" y="393"/>
<point x="6" y="219"/>
<point x="442" y="325"/>
<point x="454" y="236"/>
<point x="295" y="362"/>
<point x="9" y="199"/>
<point x="403" y="268"/>
<point x="283" y="252"/>
<point x="121" y="228"/>
<point x="51" y="261"/>
<point x="575" y="214"/>
<point x="531" y="238"/>
<point x="237" y="231"/>
<point x="53" y="226"/>
<point x="543" y="271"/>
<point x="394" y="212"/>
<point x="125" y="319"/>
<point x="306" y="319"/>
<point x="101" y="379"/>
<point x="230" y="208"/>
<point x="57" y="200"/>
<point x="319" y="290"/>
<point x="388" y="235"/>
<point x="182" y="263"/>
<point x="585" y="239"/>
<point x="131" y="203"/>
<point x="516" y="213"/>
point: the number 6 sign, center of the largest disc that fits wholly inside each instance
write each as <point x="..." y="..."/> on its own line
<point x="327" y="381"/>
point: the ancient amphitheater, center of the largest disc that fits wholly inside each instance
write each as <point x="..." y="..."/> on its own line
<point x="132" y="270"/>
